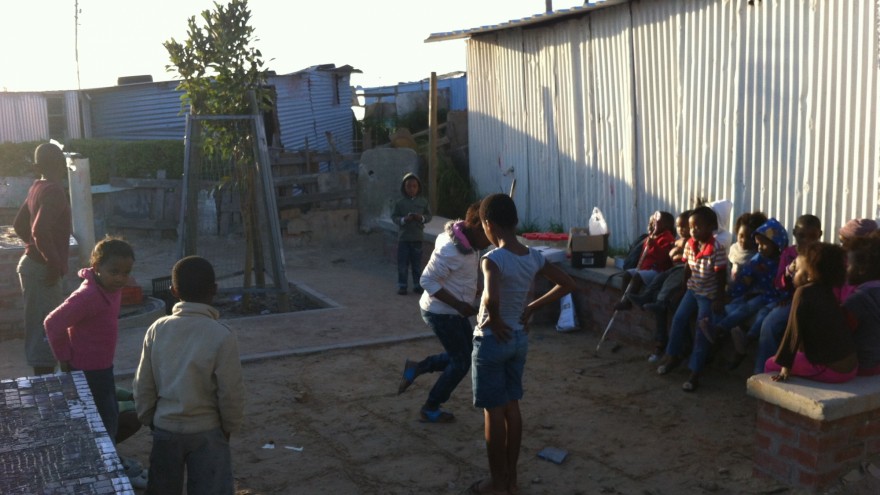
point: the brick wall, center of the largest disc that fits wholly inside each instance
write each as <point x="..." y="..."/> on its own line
<point x="806" y="452"/>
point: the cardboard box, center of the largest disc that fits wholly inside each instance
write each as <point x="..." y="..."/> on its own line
<point x="587" y="251"/>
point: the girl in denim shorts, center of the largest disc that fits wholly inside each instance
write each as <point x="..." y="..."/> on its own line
<point x="500" y="337"/>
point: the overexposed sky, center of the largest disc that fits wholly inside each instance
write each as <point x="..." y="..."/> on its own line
<point x="382" y="38"/>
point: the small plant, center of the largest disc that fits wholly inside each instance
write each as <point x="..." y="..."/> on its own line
<point x="526" y="227"/>
<point x="556" y="227"/>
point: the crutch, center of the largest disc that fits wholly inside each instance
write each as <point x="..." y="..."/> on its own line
<point x="625" y="293"/>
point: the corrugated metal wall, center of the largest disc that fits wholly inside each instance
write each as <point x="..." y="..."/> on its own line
<point x="137" y="112"/>
<point x="455" y="89"/>
<point x="773" y="106"/>
<point x="24" y="116"/>
<point x="309" y="104"/>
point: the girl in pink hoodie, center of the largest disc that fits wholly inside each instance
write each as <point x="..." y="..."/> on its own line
<point x="83" y="330"/>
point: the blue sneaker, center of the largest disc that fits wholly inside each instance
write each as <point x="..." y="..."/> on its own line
<point x="437" y="416"/>
<point x="409" y="375"/>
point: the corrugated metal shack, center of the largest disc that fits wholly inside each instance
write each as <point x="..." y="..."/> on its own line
<point x="645" y="105"/>
<point x="36" y="116"/>
<point x="410" y="96"/>
<point x="309" y="103"/>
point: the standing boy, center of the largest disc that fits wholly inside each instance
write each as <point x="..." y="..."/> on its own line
<point x="188" y="388"/>
<point x="500" y="337"/>
<point x="411" y="213"/>
<point x="43" y="223"/>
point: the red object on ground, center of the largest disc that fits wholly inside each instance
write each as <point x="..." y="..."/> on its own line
<point x="132" y="294"/>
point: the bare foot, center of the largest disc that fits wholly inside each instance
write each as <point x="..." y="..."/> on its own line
<point x="485" y="486"/>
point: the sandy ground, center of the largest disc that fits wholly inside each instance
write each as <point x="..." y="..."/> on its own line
<point x="326" y="383"/>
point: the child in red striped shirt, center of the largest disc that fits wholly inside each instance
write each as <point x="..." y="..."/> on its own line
<point x="706" y="278"/>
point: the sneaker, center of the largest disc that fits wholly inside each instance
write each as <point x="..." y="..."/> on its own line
<point x="401" y="291"/>
<point x="131" y="466"/>
<point x="409" y="375"/>
<point x="139" y="482"/>
<point x="436" y="416"/>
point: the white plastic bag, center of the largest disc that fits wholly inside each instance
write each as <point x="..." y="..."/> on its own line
<point x="597" y="223"/>
<point x="567" y="319"/>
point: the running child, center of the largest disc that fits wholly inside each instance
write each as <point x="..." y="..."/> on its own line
<point x="501" y="337"/>
<point x="450" y="280"/>
<point x="84" y="329"/>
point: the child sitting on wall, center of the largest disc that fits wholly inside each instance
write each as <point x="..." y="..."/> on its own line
<point x="863" y="304"/>
<point x="654" y="259"/>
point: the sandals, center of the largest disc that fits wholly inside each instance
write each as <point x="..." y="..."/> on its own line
<point x="409" y="375"/>
<point x="669" y="364"/>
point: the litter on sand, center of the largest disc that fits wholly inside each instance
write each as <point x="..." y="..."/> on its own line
<point x="291" y="447"/>
<point x="270" y="445"/>
<point x="553" y="454"/>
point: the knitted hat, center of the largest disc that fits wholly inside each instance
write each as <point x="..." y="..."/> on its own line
<point x="857" y="227"/>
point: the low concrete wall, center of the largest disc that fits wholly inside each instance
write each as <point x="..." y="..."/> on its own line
<point x="808" y="434"/>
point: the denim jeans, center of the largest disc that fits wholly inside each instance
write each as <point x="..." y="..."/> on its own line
<point x="204" y="457"/>
<point x="409" y="260"/>
<point x="690" y="303"/>
<point x="498" y="369"/>
<point x="102" y="385"/>
<point x="738" y="311"/>
<point x="772" y="330"/>
<point x="455" y="333"/>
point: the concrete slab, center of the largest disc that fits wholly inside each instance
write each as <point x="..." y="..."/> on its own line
<point x="816" y="400"/>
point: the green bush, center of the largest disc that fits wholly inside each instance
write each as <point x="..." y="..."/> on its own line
<point x="107" y="158"/>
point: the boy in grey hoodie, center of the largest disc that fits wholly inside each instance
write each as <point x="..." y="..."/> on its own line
<point x="411" y="213"/>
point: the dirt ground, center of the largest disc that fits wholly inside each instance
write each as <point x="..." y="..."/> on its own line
<point x="338" y="426"/>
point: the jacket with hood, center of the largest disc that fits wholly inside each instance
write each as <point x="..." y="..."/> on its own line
<point x="756" y="276"/>
<point x="83" y="330"/>
<point x="864" y="305"/>
<point x="410" y="231"/>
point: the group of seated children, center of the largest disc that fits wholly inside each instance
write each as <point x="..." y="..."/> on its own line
<point x="812" y="308"/>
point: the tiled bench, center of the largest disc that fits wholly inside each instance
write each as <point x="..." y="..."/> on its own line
<point x="808" y="433"/>
<point x="52" y="439"/>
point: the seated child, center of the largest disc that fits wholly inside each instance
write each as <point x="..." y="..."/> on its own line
<point x="745" y="246"/>
<point x="665" y="290"/>
<point x="818" y="343"/>
<point x="863" y="304"/>
<point x="705" y="276"/>
<point x="654" y="259"/>
<point x="807" y="230"/>
<point x="854" y="229"/>
<point x="755" y="294"/>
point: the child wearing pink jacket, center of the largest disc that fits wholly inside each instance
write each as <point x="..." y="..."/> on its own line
<point x="83" y="330"/>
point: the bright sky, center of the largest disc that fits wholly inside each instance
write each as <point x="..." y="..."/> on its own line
<point x="383" y="38"/>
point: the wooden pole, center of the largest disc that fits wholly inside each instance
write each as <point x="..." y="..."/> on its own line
<point x="432" y="144"/>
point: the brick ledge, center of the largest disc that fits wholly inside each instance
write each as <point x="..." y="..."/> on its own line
<point x="816" y="400"/>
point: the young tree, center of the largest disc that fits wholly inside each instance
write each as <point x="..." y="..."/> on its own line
<point x="219" y="69"/>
